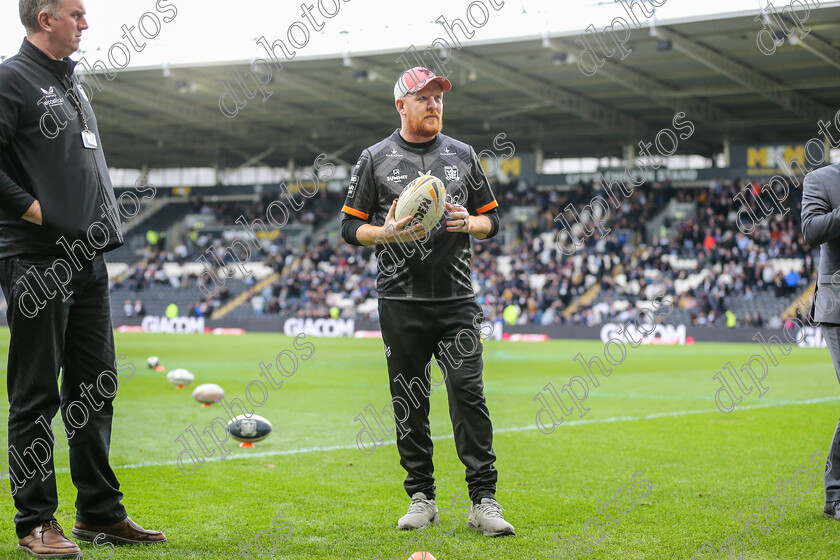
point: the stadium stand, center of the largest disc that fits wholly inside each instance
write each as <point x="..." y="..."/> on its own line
<point x="699" y="255"/>
<point x="682" y="238"/>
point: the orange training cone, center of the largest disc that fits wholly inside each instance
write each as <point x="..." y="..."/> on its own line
<point x="246" y="444"/>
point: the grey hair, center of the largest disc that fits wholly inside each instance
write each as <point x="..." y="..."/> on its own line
<point x="29" y="10"/>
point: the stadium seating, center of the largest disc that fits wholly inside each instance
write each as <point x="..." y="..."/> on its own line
<point x="702" y="260"/>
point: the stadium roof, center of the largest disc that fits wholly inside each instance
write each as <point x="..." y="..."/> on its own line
<point x="529" y="88"/>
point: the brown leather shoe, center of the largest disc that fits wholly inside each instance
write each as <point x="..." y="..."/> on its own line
<point x="47" y="540"/>
<point x="122" y="532"/>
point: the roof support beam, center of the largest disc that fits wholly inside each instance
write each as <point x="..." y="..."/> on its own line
<point x="113" y="119"/>
<point x="746" y="76"/>
<point x="187" y="113"/>
<point x="335" y="155"/>
<point x="591" y="111"/>
<point x="360" y="105"/>
<point x="820" y="48"/>
<point x="656" y="90"/>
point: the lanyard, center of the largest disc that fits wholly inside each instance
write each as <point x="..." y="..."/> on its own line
<point x="88" y="137"/>
<point x="73" y="96"/>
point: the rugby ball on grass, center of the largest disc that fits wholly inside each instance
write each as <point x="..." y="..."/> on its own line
<point x="180" y="377"/>
<point x="425" y="199"/>
<point x="208" y="393"/>
<point x="249" y="429"/>
<point x="154" y="363"/>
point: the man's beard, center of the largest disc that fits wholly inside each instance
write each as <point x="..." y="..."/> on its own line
<point x="422" y="127"/>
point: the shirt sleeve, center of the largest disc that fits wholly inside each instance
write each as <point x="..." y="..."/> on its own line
<point x="12" y="196"/>
<point x="495" y="222"/>
<point x="349" y="227"/>
<point x="481" y="198"/>
<point x="361" y="196"/>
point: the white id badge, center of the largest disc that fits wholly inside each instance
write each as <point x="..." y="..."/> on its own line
<point x="89" y="140"/>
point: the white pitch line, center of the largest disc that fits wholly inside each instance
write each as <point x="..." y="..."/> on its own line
<point x="674" y="413"/>
<point x="304" y="450"/>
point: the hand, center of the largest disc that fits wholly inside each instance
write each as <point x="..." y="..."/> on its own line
<point x="394" y="231"/>
<point x="459" y="219"/>
<point x="33" y="214"/>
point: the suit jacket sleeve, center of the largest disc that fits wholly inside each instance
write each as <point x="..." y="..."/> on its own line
<point x="820" y="222"/>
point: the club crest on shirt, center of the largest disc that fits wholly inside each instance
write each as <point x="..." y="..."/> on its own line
<point x="451" y="172"/>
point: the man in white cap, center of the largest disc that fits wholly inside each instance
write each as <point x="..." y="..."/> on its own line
<point x="426" y="303"/>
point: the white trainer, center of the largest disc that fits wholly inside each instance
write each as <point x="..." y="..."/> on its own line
<point x="487" y="518"/>
<point x="421" y="513"/>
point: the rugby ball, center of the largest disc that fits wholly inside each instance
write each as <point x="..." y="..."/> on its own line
<point x="208" y="393"/>
<point x="180" y="377"/>
<point x="249" y="429"/>
<point x="154" y="363"/>
<point x="425" y="199"/>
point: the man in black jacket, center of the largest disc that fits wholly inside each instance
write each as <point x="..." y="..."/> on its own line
<point x="57" y="216"/>
<point x="426" y="301"/>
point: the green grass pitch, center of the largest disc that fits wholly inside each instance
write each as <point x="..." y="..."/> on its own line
<point x="655" y="413"/>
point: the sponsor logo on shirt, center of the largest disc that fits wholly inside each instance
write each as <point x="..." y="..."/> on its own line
<point x="394" y="153"/>
<point x="50" y="98"/>
<point x="396" y="177"/>
<point x="447" y="152"/>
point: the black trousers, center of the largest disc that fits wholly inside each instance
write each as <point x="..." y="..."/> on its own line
<point x="414" y="331"/>
<point x="74" y="336"/>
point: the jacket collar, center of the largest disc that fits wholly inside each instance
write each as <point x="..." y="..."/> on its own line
<point x="60" y="68"/>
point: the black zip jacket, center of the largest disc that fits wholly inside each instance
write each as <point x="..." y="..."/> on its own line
<point x="41" y="160"/>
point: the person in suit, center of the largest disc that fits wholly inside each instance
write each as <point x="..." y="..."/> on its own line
<point x="821" y="227"/>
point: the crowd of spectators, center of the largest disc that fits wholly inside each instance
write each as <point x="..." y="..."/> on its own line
<point x="312" y="211"/>
<point x="701" y="260"/>
<point x="150" y="273"/>
<point x="728" y="255"/>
